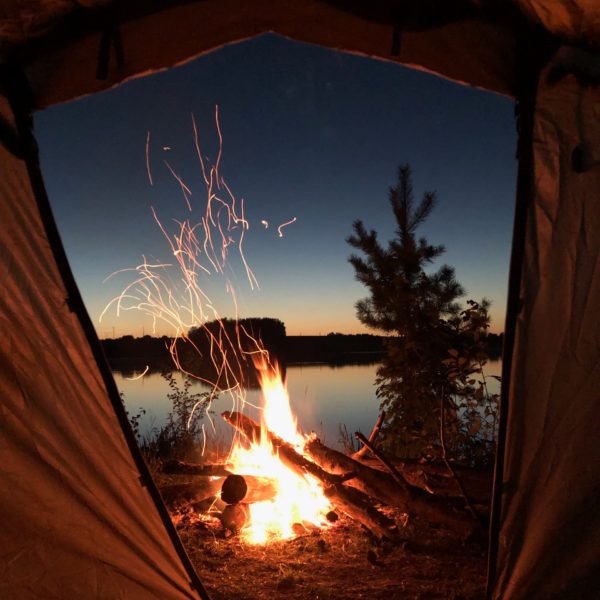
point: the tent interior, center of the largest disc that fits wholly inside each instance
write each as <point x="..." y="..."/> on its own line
<point x="83" y="517"/>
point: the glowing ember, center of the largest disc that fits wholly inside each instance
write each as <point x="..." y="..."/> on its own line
<point x="299" y="499"/>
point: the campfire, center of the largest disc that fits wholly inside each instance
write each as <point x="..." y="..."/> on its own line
<point x="279" y="483"/>
<point x="293" y="497"/>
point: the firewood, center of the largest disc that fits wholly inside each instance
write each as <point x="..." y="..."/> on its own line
<point x="287" y="454"/>
<point x="400" y="476"/>
<point x="211" y="504"/>
<point x="385" y="488"/>
<point x="196" y="491"/>
<point x="249" y="488"/>
<point x="235" y="516"/>
<point x="372" y="437"/>
<point x="357" y="506"/>
<point x="178" y="467"/>
<point x="372" y="482"/>
<point x="349" y="501"/>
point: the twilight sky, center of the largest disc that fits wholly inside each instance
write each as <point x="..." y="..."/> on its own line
<point x="307" y="133"/>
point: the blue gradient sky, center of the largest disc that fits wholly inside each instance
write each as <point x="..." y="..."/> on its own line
<point x="309" y="133"/>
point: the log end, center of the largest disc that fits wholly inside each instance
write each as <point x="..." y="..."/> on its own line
<point x="235" y="516"/>
<point x="234" y="489"/>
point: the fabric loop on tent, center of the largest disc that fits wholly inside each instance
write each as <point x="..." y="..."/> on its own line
<point x="397" y="32"/>
<point x="111" y="37"/>
<point x="10" y="139"/>
<point x="584" y="65"/>
<point x="14" y="84"/>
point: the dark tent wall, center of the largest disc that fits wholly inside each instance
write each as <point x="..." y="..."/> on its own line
<point x="549" y="545"/>
<point x="77" y="517"/>
<point x="58" y="421"/>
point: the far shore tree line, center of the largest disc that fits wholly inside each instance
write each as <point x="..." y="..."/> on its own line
<point x="130" y="353"/>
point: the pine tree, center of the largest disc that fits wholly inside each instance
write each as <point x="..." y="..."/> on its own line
<point x="418" y="312"/>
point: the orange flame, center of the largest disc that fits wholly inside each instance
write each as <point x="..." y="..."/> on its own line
<point x="300" y="498"/>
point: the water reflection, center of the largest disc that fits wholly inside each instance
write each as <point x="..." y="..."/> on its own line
<point x="322" y="396"/>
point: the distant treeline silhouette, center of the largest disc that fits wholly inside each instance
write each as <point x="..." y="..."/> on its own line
<point x="128" y="352"/>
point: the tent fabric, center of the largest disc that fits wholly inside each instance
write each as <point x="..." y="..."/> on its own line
<point x="473" y="51"/>
<point x="76" y="521"/>
<point x="549" y="545"/>
<point x="22" y="21"/>
<point x="576" y="21"/>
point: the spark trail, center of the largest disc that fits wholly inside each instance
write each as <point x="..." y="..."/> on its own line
<point x="173" y="293"/>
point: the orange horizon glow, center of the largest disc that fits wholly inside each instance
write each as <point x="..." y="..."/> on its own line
<point x="312" y="326"/>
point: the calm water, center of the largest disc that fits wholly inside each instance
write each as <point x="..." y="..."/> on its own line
<point x="322" y="396"/>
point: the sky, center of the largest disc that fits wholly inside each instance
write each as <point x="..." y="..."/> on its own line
<point x="308" y="133"/>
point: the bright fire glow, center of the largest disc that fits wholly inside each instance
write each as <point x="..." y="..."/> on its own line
<point x="299" y="499"/>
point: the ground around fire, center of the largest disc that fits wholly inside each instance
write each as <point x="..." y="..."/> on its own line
<point x="343" y="561"/>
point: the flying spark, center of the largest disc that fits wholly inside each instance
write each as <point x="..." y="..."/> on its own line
<point x="148" y="158"/>
<point x="140" y="375"/>
<point x="279" y="229"/>
<point x="174" y="294"/>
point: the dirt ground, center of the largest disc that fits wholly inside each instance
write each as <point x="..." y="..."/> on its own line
<point x="344" y="561"/>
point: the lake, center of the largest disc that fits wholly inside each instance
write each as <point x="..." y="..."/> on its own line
<point x="322" y="396"/>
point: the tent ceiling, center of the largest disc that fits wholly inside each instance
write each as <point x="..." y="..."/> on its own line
<point x="575" y="21"/>
<point x="470" y="41"/>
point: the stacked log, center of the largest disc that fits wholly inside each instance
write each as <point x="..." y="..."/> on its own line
<point x="247" y="488"/>
<point x="340" y="473"/>
<point x="353" y="503"/>
<point x="388" y="490"/>
<point x="353" y="488"/>
<point x="192" y="492"/>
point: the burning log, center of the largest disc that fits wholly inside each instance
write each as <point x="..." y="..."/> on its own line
<point x="359" y="508"/>
<point x="235" y="516"/>
<point x="178" y="467"/>
<point x="249" y="488"/>
<point x="287" y="454"/>
<point x="385" y="488"/>
<point x="352" y="502"/>
<point x="191" y="493"/>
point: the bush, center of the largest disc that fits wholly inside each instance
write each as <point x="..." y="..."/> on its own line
<point x="179" y="438"/>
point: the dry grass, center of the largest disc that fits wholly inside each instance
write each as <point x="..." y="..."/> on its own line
<point x="339" y="563"/>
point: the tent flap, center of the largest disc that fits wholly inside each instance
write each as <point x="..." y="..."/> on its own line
<point x="76" y="520"/>
<point x="550" y="525"/>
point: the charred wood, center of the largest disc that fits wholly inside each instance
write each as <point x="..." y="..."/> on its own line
<point x="247" y="488"/>
<point x="178" y="467"/>
<point x="385" y="488"/>
<point x="372" y="437"/>
<point x="190" y="493"/>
